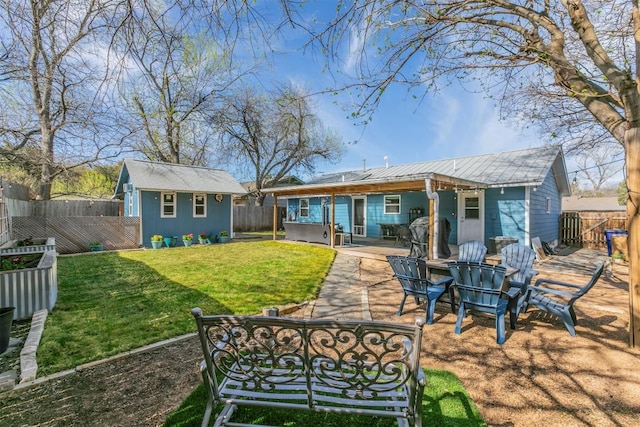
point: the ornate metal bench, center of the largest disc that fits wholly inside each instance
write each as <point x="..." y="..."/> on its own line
<point x="350" y="366"/>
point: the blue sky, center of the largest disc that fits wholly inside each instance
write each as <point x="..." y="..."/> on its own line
<point x="449" y="123"/>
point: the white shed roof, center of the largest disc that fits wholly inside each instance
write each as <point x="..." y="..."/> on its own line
<point x="157" y="176"/>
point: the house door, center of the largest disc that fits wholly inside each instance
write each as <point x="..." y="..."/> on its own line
<point x="470" y="216"/>
<point x="359" y="219"/>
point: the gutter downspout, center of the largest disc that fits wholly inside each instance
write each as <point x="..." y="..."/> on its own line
<point x="436" y="207"/>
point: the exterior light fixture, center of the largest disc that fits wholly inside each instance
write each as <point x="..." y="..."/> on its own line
<point x="502" y="190"/>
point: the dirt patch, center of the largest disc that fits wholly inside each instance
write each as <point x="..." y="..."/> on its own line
<point x="540" y="376"/>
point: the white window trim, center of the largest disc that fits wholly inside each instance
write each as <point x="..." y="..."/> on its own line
<point x="307" y="208"/>
<point x="204" y="195"/>
<point x="130" y="196"/>
<point x="548" y="206"/>
<point x="162" y="205"/>
<point x="384" y="203"/>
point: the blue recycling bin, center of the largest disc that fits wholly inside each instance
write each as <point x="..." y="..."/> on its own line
<point x="609" y="234"/>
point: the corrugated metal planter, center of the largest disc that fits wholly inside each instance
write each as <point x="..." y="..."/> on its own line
<point x="40" y="245"/>
<point x="31" y="289"/>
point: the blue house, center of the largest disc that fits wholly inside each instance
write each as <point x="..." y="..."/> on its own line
<point x="516" y="194"/>
<point x="172" y="199"/>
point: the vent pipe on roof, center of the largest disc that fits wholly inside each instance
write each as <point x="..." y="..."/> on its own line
<point x="386" y="162"/>
<point x="436" y="207"/>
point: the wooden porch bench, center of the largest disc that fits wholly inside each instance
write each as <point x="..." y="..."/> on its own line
<point x="347" y="366"/>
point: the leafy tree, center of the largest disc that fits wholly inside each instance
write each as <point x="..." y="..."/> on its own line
<point x="273" y="135"/>
<point x="57" y="116"/>
<point x="176" y="77"/>
<point x="569" y="66"/>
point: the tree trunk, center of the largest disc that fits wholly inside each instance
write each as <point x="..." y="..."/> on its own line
<point x="632" y="144"/>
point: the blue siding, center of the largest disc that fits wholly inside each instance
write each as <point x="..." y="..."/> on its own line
<point x="449" y="210"/>
<point x="545" y="225"/>
<point x="218" y="217"/>
<point x="504" y="213"/>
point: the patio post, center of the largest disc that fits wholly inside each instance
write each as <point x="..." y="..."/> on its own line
<point x="275" y="216"/>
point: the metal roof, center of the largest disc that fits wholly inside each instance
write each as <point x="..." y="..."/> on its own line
<point x="507" y="169"/>
<point x="157" y="176"/>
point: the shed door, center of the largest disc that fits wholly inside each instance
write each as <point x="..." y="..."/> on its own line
<point x="470" y="216"/>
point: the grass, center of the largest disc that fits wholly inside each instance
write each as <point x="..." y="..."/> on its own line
<point x="445" y="403"/>
<point x="116" y="301"/>
<point x="113" y="302"/>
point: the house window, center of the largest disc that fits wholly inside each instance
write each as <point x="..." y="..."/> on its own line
<point x="130" y="198"/>
<point x="199" y="205"/>
<point x="168" y="205"/>
<point x="548" y="207"/>
<point x="391" y="205"/>
<point x="304" y="208"/>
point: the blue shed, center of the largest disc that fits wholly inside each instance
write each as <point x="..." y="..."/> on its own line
<point x="516" y="194"/>
<point x="173" y="199"/>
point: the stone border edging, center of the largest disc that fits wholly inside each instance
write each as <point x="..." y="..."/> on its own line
<point x="89" y="365"/>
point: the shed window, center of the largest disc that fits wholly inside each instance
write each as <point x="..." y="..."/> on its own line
<point x="130" y="199"/>
<point x="304" y="208"/>
<point x="391" y="205"/>
<point x="548" y="206"/>
<point x="199" y="205"/>
<point x="168" y="205"/>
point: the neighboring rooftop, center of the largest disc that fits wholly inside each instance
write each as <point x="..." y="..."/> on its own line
<point x="578" y="203"/>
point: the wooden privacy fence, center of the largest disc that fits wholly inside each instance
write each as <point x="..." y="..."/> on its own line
<point x="585" y="229"/>
<point x="74" y="234"/>
<point x="256" y="218"/>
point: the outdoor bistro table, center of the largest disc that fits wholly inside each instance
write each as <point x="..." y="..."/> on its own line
<point x="439" y="268"/>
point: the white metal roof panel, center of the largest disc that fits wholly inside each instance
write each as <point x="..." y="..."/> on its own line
<point x="173" y="177"/>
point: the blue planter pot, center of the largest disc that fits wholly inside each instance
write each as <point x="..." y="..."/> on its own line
<point x="187" y="242"/>
<point x="156" y="245"/>
<point x="224" y="239"/>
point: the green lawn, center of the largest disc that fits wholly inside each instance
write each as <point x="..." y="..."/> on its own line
<point x="112" y="302"/>
<point x="116" y="301"/>
<point x="445" y="403"/>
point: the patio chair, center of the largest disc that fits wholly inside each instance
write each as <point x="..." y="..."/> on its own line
<point x="479" y="288"/>
<point x="560" y="302"/>
<point x="521" y="257"/>
<point x="473" y="251"/>
<point x="411" y="272"/>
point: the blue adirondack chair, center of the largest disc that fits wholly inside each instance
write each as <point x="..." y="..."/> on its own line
<point x="411" y="272"/>
<point x="473" y="251"/>
<point x="560" y="302"/>
<point x="520" y="257"/>
<point x="479" y="288"/>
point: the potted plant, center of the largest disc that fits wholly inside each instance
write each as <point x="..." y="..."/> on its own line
<point x="203" y="238"/>
<point x="224" y="237"/>
<point x="156" y="241"/>
<point x="96" y="246"/>
<point x="187" y="239"/>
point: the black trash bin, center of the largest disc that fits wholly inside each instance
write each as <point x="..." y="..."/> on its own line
<point x="6" y="319"/>
<point x="609" y="234"/>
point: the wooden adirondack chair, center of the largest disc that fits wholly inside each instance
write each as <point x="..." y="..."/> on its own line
<point x="411" y="272"/>
<point x="479" y="288"/>
<point x="560" y="302"/>
<point x="473" y="251"/>
<point x="520" y="257"/>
